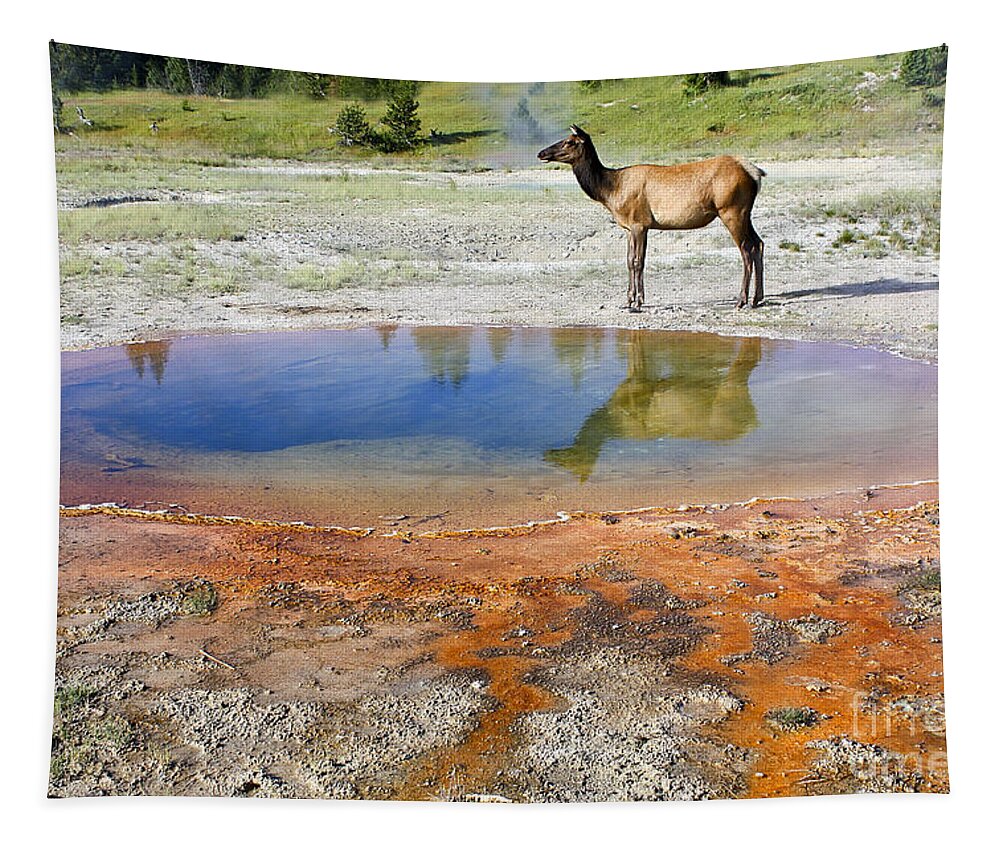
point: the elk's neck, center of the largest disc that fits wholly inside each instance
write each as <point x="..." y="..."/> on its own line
<point x="594" y="179"/>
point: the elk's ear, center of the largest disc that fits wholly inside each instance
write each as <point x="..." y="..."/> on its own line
<point x="577" y="131"/>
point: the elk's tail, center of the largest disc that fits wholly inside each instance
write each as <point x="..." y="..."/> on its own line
<point x="755" y="172"/>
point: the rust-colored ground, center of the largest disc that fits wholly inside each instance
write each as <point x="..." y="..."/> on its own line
<point x="327" y="617"/>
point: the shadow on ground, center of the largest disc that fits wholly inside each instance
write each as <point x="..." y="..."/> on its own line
<point x="437" y="138"/>
<point x="883" y="286"/>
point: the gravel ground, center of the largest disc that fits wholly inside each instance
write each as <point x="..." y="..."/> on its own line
<point x="522" y="247"/>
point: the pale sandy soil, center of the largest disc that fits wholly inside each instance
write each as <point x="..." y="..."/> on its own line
<point x="521" y="247"/>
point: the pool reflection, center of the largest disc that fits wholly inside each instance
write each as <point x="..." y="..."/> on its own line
<point x="155" y="353"/>
<point x="690" y="387"/>
<point x="580" y="408"/>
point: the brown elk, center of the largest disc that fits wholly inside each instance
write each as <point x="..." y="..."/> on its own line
<point x="670" y="197"/>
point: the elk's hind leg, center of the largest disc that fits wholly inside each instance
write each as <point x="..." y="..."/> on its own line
<point x="758" y="269"/>
<point x="746" y="239"/>
<point x="747" y="267"/>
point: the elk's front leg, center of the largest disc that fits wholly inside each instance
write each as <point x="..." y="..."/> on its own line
<point x="639" y="261"/>
<point x="631" y="304"/>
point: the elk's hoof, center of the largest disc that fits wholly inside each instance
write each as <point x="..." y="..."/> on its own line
<point x="633" y="309"/>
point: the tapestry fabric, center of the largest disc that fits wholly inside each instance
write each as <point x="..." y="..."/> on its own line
<point x="564" y="441"/>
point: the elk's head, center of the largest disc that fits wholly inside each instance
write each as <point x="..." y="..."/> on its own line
<point x="570" y="150"/>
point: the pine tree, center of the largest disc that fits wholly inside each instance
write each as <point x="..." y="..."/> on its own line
<point x="177" y="76"/>
<point x="352" y="125"/>
<point x="400" y="119"/>
<point x="698" y="84"/>
<point x="925" y="67"/>
<point x="316" y="86"/>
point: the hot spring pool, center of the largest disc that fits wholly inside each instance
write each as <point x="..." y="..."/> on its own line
<point x="466" y="425"/>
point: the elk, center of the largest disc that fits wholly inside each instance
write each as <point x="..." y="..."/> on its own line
<point x="670" y="197"/>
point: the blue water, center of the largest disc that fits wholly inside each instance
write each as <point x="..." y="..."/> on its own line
<point x="579" y="406"/>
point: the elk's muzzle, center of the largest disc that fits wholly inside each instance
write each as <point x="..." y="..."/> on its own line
<point x="549" y="154"/>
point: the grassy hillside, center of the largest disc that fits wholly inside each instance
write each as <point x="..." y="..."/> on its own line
<point x="851" y="107"/>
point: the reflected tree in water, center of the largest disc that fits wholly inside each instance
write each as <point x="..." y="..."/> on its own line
<point x="693" y="388"/>
<point x="575" y="348"/>
<point x="446" y="352"/>
<point x="155" y="353"/>
<point x="499" y="339"/>
<point x="386" y="333"/>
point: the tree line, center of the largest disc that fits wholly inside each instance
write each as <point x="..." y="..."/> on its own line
<point x="76" y="69"/>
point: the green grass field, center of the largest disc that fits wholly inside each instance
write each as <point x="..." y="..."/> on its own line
<point x="847" y="108"/>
